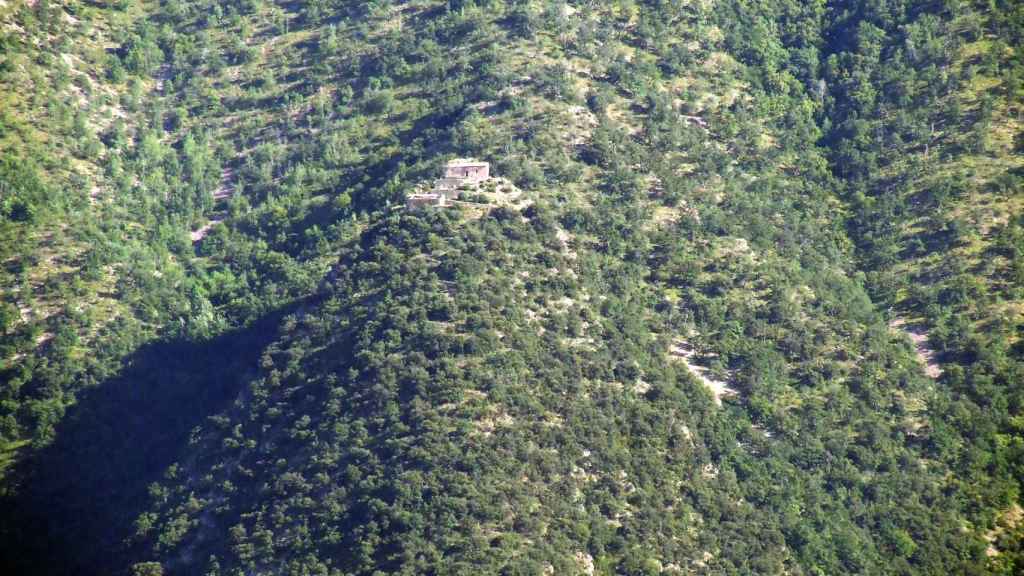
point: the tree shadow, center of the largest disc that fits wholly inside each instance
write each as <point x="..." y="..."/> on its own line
<point x="77" y="499"/>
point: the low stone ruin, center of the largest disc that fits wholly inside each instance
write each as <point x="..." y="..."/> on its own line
<point x="459" y="174"/>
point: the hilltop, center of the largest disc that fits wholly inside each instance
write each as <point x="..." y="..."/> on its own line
<point x="755" y="307"/>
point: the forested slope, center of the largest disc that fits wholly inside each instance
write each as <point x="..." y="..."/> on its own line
<point x="684" y="351"/>
<point x="95" y="262"/>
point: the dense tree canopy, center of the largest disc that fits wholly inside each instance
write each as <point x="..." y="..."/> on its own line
<point x="756" y="310"/>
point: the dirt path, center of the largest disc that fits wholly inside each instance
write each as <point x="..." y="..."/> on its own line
<point x="226" y="188"/>
<point x="919" y="337"/>
<point x="223" y="192"/>
<point x="201" y="232"/>
<point x="565" y="239"/>
<point x="163" y="73"/>
<point x="684" y="351"/>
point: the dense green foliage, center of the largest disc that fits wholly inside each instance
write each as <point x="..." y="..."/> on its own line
<point x="322" y="383"/>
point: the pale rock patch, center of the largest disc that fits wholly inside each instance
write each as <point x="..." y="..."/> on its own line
<point x="684" y="352"/>
<point x="925" y="353"/>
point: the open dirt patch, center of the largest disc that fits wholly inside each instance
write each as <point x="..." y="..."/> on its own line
<point x="919" y="337"/>
<point x="685" y="352"/>
<point x="1007" y="521"/>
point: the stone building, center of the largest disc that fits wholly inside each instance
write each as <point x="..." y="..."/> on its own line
<point x="459" y="174"/>
<point x="448" y="186"/>
<point x="467" y="170"/>
<point x="418" y="201"/>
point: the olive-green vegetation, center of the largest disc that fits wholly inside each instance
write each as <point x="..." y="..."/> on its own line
<point x="228" y="349"/>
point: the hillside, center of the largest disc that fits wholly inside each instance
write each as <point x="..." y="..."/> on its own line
<point x="746" y="297"/>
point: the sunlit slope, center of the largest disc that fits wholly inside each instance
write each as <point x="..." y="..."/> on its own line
<point x="682" y="349"/>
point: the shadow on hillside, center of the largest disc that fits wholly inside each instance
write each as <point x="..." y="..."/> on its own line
<point x="80" y="495"/>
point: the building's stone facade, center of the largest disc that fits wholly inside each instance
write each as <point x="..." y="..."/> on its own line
<point x="471" y="170"/>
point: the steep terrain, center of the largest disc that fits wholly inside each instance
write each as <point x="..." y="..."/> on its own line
<point x="94" y="262"/>
<point x="757" y="310"/>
